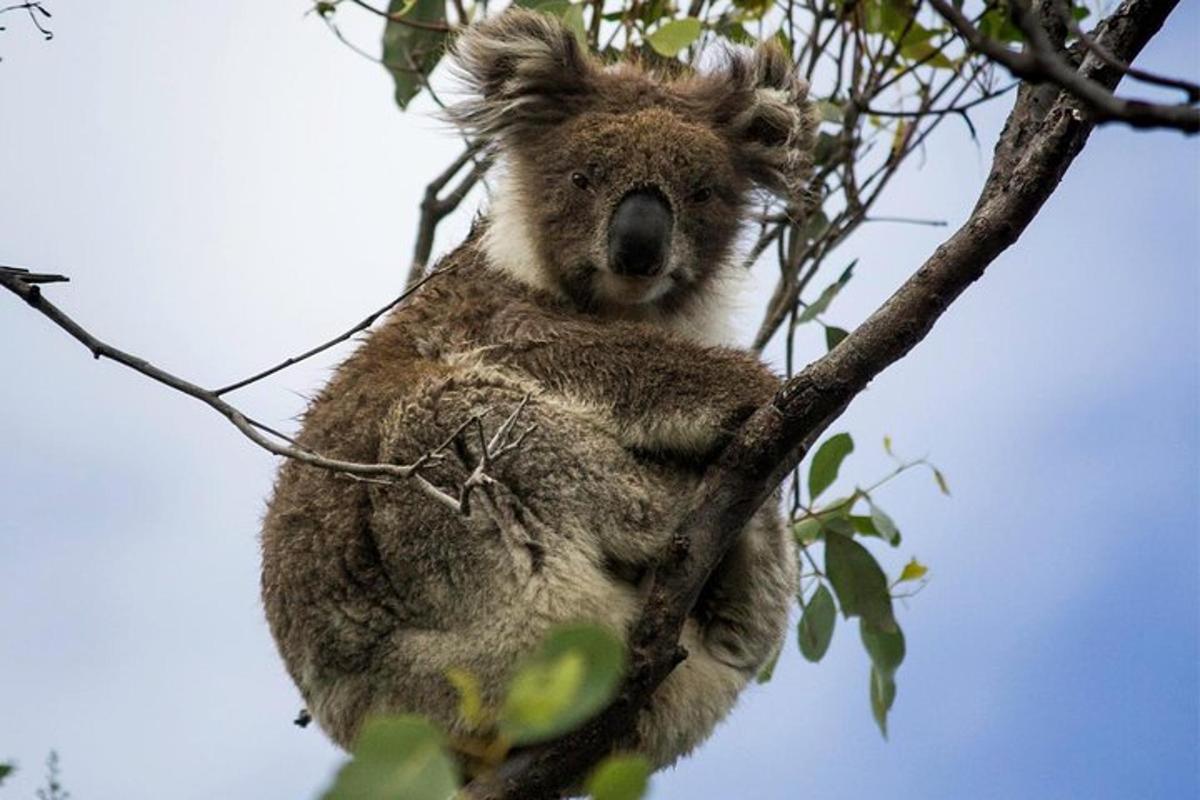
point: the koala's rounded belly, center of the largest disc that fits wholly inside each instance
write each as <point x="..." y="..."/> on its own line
<point x="374" y="593"/>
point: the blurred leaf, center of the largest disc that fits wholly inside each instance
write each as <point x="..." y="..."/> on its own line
<point x="887" y="445"/>
<point x="573" y="20"/>
<point x="861" y="586"/>
<point x="834" y="336"/>
<point x="1080" y="13"/>
<point x="6" y="770"/>
<point x="752" y="9"/>
<point x="736" y="33"/>
<point x="828" y="460"/>
<point x="819" y="305"/>
<point x="941" y="480"/>
<point x="886" y="648"/>
<point x="827" y="148"/>
<point x="807" y="530"/>
<point x="996" y="24"/>
<point x="816" y="625"/>
<point x="674" y="36"/>
<point x="838" y="524"/>
<point x="899" y="139"/>
<point x="815" y="226"/>
<point x="883" y="695"/>
<point x="470" y="698"/>
<point x="866" y="526"/>
<point x="830" y="111"/>
<point x="651" y="12"/>
<point x="928" y="54"/>
<point x="913" y="571"/>
<point x="768" y="670"/>
<point x="573" y="676"/>
<point x="884" y="524"/>
<point x="620" y="777"/>
<point x="397" y="757"/>
<point x="410" y="52"/>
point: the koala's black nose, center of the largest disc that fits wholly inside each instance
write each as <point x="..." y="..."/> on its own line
<point x="639" y="234"/>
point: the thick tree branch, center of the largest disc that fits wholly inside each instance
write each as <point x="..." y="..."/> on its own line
<point x="1041" y="139"/>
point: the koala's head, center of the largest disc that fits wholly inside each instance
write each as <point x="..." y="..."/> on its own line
<point x="624" y="189"/>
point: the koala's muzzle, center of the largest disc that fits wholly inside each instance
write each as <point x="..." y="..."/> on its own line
<point x="639" y="234"/>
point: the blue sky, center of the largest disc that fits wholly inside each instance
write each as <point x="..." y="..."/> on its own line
<point x="226" y="185"/>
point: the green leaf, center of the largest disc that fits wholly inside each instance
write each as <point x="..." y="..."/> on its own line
<point x="815" y="225"/>
<point x="886" y="648"/>
<point x="470" y="698"/>
<point x="834" y="336"/>
<point x="674" y="36"/>
<point x="822" y="302"/>
<point x="927" y="54"/>
<point x="941" y="480"/>
<point x="816" y="625"/>
<point x="573" y="20"/>
<point x="620" y="777"/>
<point x="887" y="445"/>
<point x="410" y="52"/>
<point x="859" y="581"/>
<point x="830" y="111"/>
<point x="768" y="669"/>
<point x="6" y="770"/>
<point x="828" y="460"/>
<point x="883" y="694"/>
<point x="913" y="571"/>
<point x="884" y="524"/>
<point x="394" y="757"/>
<point x="573" y="676"/>
<point x="807" y="530"/>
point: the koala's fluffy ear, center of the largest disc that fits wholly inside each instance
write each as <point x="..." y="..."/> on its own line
<point x="763" y="107"/>
<point x="525" y="70"/>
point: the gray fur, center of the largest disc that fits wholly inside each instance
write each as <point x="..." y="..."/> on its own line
<point x="374" y="592"/>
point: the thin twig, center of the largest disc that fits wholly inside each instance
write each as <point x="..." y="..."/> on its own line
<point x="367" y="322"/>
<point x="11" y="279"/>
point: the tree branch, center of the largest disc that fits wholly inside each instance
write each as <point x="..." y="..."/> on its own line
<point x="434" y="208"/>
<point x="1039" y="143"/>
<point x="25" y="285"/>
<point x="1041" y="62"/>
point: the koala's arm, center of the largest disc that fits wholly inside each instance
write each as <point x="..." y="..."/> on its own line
<point x="666" y="394"/>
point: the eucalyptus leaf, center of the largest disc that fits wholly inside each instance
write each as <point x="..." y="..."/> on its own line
<point x="884" y="524"/>
<point x="821" y="304"/>
<point x="394" y="757"/>
<point x="834" y="336"/>
<point x="411" y="51"/>
<point x="913" y="571"/>
<point x="816" y="625"/>
<point x="572" y="676"/>
<point x="674" y="36"/>
<point x="620" y="777"/>
<point x="941" y="481"/>
<point x="861" y="586"/>
<point x="886" y="648"/>
<point x="807" y="530"/>
<point x="828" y="460"/>
<point x="883" y="695"/>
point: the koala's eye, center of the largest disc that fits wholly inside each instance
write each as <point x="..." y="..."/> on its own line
<point x="702" y="195"/>
<point x="580" y="180"/>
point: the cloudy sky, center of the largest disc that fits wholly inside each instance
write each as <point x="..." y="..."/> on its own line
<point x="226" y="185"/>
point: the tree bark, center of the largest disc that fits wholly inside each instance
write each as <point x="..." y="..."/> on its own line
<point x="1046" y="129"/>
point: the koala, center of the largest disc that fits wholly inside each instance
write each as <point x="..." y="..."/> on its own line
<point x="580" y="301"/>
